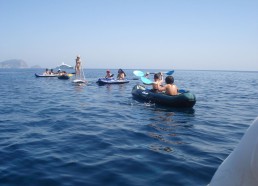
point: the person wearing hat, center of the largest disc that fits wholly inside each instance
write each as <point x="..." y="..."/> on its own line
<point x="147" y="74"/>
<point x="109" y="75"/>
<point x="59" y="71"/>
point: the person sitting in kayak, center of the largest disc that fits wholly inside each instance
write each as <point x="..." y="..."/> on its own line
<point x="121" y="74"/>
<point x="46" y="72"/>
<point x="109" y="75"/>
<point x="147" y="74"/>
<point x="157" y="82"/>
<point x="170" y="88"/>
<point x="51" y="72"/>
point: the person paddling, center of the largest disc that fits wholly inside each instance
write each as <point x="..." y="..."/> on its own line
<point x="157" y="82"/>
<point x="109" y="75"/>
<point x="170" y="88"/>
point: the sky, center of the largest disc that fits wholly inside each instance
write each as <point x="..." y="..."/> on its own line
<point x="132" y="34"/>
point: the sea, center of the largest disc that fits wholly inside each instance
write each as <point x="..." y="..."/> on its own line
<point x="55" y="133"/>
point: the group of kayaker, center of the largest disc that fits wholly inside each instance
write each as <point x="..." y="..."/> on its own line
<point x="51" y="72"/>
<point x="48" y="72"/>
<point x="170" y="88"/>
<point x="120" y="74"/>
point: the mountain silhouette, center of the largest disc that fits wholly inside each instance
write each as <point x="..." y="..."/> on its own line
<point x="13" y="63"/>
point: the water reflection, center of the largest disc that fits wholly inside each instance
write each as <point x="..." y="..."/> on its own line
<point x="168" y="126"/>
<point x="122" y="87"/>
<point x="109" y="87"/>
<point x="189" y="111"/>
<point x="79" y="87"/>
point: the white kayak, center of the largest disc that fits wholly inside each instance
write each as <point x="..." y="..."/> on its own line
<point x="240" y="168"/>
<point x="46" y="75"/>
<point x="79" y="81"/>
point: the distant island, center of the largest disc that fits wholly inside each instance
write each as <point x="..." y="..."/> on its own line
<point x="15" y="63"/>
<point x="35" y="66"/>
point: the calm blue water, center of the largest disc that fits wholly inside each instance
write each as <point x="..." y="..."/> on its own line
<point x="55" y="133"/>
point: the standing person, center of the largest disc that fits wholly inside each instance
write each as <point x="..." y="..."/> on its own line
<point x="121" y="74"/>
<point x="170" y="88"/>
<point x="78" y="66"/>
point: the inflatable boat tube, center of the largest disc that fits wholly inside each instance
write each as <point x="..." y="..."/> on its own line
<point x="38" y="75"/>
<point x="63" y="77"/>
<point x="184" y="99"/>
<point x="103" y="81"/>
<point x="240" y="168"/>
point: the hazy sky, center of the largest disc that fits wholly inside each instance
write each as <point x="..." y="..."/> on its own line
<point x="134" y="34"/>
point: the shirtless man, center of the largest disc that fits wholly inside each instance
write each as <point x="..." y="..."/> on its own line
<point x="170" y="88"/>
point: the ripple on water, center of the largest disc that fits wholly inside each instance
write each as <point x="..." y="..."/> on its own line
<point x="55" y="133"/>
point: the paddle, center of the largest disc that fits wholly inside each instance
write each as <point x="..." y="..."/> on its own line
<point x="167" y="73"/>
<point x="142" y="74"/>
<point x="138" y="73"/>
<point x="146" y="81"/>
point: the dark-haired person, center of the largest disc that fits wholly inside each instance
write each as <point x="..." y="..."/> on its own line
<point x="47" y="72"/>
<point x="157" y="82"/>
<point x="51" y="72"/>
<point x="170" y="88"/>
<point x="121" y="74"/>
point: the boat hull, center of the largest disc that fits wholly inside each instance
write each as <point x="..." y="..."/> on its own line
<point x="79" y="81"/>
<point x="103" y="81"/>
<point x="38" y="75"/>
<point x="63" y="77"/>
<point x="184" y="99"/>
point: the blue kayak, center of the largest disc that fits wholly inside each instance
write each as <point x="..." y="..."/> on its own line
<point x="63" y="77"/>
<point x="103" y="81"/>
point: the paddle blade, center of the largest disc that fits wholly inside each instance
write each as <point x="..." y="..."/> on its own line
<point x="146" y="81"/>
<point x="138" y="73"/>
<point x="169" y="72"/>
